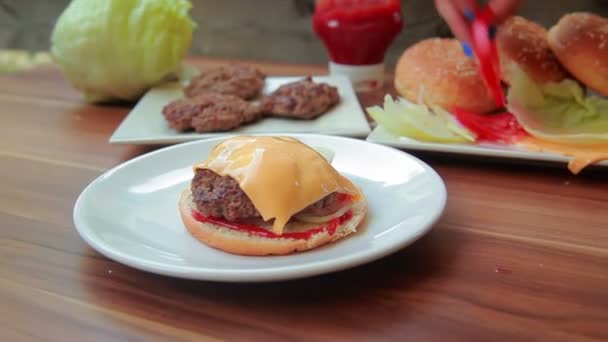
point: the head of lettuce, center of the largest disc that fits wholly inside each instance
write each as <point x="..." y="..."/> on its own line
<point x="115" y="50"/>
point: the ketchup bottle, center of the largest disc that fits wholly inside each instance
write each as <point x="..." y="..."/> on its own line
<point x="357" y="34"/>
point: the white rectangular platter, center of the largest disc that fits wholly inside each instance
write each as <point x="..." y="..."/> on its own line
<point x="145" y="123"/>
<point x="381" y="136"/>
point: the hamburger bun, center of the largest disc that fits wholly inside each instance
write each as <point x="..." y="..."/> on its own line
<point x="580" y="42"/>
<point x="523" y="43"/>
<point x="239" y="242"/>
<point x="436" y="71"/>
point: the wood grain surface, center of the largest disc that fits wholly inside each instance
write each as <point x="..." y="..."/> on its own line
<point x="521" y="252"/>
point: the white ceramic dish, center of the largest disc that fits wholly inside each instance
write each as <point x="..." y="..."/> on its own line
<point x="146" y="125"/>
<point x="130" y="214"/>
<point x="381" y="136"/>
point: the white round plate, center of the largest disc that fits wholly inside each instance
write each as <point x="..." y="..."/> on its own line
<point x="130" y="214"/>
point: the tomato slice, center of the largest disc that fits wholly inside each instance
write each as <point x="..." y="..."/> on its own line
<point x="497" y="128"/>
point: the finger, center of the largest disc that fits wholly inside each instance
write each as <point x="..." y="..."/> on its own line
<point x="465" y="6"/>
<point x="453" y="13"/>
<point x="503" y="8"/>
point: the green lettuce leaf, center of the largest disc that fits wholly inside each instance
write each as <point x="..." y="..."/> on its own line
<point x="559" y="112"/>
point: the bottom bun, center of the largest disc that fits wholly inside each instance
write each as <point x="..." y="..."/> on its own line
<point x="237" y="242"/>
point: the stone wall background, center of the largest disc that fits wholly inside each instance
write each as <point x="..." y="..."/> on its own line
<point x="272" y="30"/>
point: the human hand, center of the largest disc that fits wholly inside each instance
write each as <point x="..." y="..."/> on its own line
<point x="458" y="12"/>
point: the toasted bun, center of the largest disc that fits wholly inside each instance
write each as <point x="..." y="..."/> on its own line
<point x="580" y="42"/>
<point x="523" y="43"/>
<point x="437" y="71"/>
<point x="237" y="242"/>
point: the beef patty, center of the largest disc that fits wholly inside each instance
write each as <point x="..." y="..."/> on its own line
<point x="221" y="196"/>
<point x="304" y="99"/>
<point x="210" y="112"/>
<point x="243" y="81"/>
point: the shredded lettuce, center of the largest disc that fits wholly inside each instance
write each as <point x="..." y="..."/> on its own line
<point x="418" y="122"/>
<point x="559" y="112"/>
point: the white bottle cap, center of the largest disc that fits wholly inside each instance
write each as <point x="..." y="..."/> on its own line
<point x="363" y="77"/>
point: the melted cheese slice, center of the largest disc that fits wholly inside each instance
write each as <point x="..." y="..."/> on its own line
<point x="582" y="155"/>
<point x="280" y="175"/>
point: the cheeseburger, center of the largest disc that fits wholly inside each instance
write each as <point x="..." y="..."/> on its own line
<point x="269" y="195"/>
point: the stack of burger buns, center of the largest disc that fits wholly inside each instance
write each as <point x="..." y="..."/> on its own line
<point x="436" y="71"/>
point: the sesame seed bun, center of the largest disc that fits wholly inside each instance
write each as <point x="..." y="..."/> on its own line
<point x="522" y="43"/>
<point x="580" y="42"/>
<point x="437" y="71"/>
<point x="238" y="242"/>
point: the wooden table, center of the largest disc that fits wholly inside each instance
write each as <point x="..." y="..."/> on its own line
<point x="521" y="252"/>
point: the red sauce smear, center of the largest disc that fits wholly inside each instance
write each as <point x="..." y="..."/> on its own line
<point x="496" y="128"/>
<point x="263" y="232"/>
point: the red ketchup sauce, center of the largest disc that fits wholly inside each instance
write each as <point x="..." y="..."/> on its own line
<point x="263" y="232"/>
<point x="357" y="32"/>
<point x="497" y="128"/>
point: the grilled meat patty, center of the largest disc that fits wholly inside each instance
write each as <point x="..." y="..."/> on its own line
<point x="221" y="196"/>
<point x="243" y="81"/>
<point x="304" y="99"/>
<point x="210" y="112"/>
